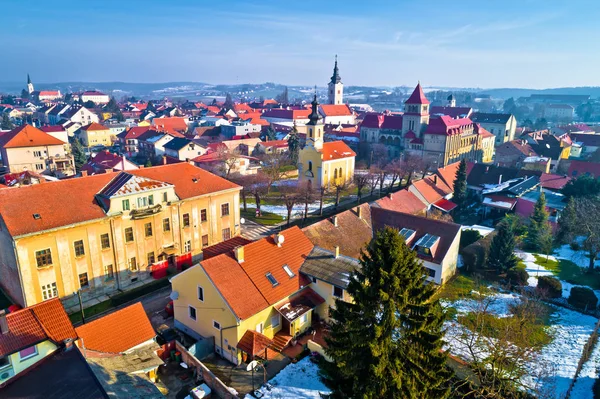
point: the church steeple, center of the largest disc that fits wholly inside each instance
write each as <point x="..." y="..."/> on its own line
<point x="314" y="118"/>
<point x="336" y="78"/>
<point x="315" y="125"/>
<point x="29" y="85"/>
<point x="335" y="94"/>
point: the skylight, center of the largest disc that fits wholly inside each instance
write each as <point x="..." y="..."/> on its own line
<point x="426" y="243"/>
<point x="288" y="271"/>
<point x="407" y="233"/>
<point x="272" y="279"/>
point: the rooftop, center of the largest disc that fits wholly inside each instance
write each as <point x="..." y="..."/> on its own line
<point x="325" y="266"/>
<point x="27" y="136"/>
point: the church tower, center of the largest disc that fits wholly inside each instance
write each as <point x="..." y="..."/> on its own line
<point x="451" y="101"/>
<point x="29" y="85"/>
<point x="416" y="112"/>
<point x="336" y="87"/>
<point x="314" y="127"/>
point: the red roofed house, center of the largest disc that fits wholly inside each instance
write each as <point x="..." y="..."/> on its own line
<point x="27" y="148"/>
<point x="337" y="114"/>
<point x="110" y="232"/>
<point x="322" y="163"/>
<point x="94" y="96"/>
<point x="449" y="140"/>
<point x="49" y="95"/>
<point x="273" y="147"/>
<point x="129" y="139"/>
<point x="248" y="298"/>
<point x="106" y="161"/>
<point x="581" y="168"/>
<point x="175" y="125"/>
<point x="29" y="335"/>
<point x="96" y="134"/>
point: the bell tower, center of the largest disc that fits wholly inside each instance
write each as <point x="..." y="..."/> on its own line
<point x="29" y="85"/>
<point x="335" y="94"/>
<point x="314" y="127"/>
<point x="416" y="112"/>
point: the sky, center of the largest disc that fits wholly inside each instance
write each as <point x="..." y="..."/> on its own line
<point x="484" y="43"/>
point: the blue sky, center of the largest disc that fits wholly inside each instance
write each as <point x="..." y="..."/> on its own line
<point x="485" y="43"/>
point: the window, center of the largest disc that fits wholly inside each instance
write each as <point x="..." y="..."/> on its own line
<point x="431" y="272"/>
<point x="272" y="279"/>
<point x="205" y="240"/>
<point x="166" y="224"/>
<point x="200" y="294"/>
<point x="79" y="249"/>
<point x="203" y="217"/>
<point x="187" y="246"/>
<point x="151" y="258"/>
<point x="43" y="257"/>
<point x="304" y="318"/>
<point x="186" y="220"/>
<point x="126" y="205"/>
<point x="109" y="272"/>
<point x="338" y="292"/>
<point x="217" y="325"/>
<point x="27" y="353"/>
<point x="148" y="229"/>
<point x="260" y="328"/>
<point x="310" y="166"/>
<point x="165" y="197"/>
<point x="142" y="202"/>
<point x="275" y="321"/>
<point x="4" y="362"/>
<point x="224" y="209"/>
<point x="39" y="166"/>
<point x="37" y="153"/>
<point x="151" y="199"/>
<point x="49" y="291"/>
<point x="128" y="234"/>
<point x="192" y="312"/>
<point x="83" y="280"/>
<point x="226" y="234"/>
<point x="314" y="280"/>
<point x="105" y="241"/>
<point x="133" y="264"/>
<point x="288" y="271"/>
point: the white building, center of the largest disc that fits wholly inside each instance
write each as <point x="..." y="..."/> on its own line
<point x="95" y="96"/>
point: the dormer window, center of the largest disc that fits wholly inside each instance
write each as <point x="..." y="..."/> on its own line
<point x="288" y="271"/>
<point x="272" y="279"/>
<point x="427" y="244"/>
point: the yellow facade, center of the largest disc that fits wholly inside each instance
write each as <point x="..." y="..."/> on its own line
<point x="144" y="123"/>
<point x="487" y="146"/>
<point x="91" y="138"/>
<point x="122" y="263"/>
<point x="17" y="364"/>
<point x="325" y="289"/>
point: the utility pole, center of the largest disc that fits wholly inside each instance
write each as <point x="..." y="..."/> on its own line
<point x="81" y="306"/>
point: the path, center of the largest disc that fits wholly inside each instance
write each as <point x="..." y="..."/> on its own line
<point x="254" y="231"/>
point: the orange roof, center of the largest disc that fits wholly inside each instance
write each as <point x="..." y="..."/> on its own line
<point x="245" y="286"/>
<point x="336" y="110"/>
<point x="47" y="200"/>
<point x="27" y="136"/>
<point x="431" y="190"/>
<point x="249" y="115"/>
<point x="117" y="332"/>
<point x="254" y="343"/>
<point x="258" y="121"/>
<point x="336" y="150"/>
<point x="448" y="174"/>
<point x="174" y="123"/>
<point x="402" y="201"/>
<point x="94" y="126"/>
<point x="35" y="324"/>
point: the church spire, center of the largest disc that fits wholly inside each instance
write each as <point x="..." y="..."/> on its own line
<point x="314" y="116"/>
<point x="336" y="78"/>
<point x="28" y="79"/>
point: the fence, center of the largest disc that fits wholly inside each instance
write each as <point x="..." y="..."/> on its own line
<point x="216" y="385"/>
<point x="585" y="356"/>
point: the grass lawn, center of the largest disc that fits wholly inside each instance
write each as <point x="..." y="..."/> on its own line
<point x="461" y="286"/>
<point x="569" y="272"/>
<point x="267" y="218"/>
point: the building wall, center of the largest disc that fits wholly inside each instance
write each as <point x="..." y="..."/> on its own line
<point x="84" y="117"/>
<point x="325" y="289"/>
<point x="329" y="167"/>
<point x="19" y="365"/>
<point x="487" y="145"/>
<point x="503" y="131"/>
<point x="90" y="138"/>
<point x="26" y="158"/>
<point x="10" y="279"/>
<point x="449" y="264"/>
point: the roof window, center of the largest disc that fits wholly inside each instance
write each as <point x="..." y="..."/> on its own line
<point x="272" y="279"/>
<point x="288" y="271"/>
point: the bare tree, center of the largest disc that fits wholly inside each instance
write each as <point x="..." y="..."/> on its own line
<point x="396" y="169"/>
<point x="273" y="167"/>
<point x="413" y="164"/>
<point x="337" y="187"/>
<point x="584" y="226"/>
<point x="227" y="160"/>
<point x="361" y="180"/>
<point x="321" y="190"/>
<point x="372" y="179"/>
<point x="258" y="186"/>
<point x="290" y="196"/>
<point x="245" y="182"/>
<point x="436" y="214"/>
<point x="306" y="195"/>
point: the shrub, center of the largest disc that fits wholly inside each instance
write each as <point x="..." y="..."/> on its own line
<point x="583" y="298"/>
<point x="475" y="255"/>
<point x="551" y="285"/>
<point x="517" y="277"/>
<point x="468" y="237"/>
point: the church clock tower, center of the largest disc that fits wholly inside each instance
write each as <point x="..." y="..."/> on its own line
<point x="29" y="85"/>
<point x="336" y="87"/>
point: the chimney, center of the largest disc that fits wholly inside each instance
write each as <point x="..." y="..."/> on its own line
<point x="3" y="322"/>
<point x="359" y="212"/>
<point x="84" y="173"/>
<point x="334" y="220"/>
<point x="336" y="251"/>
<point x="164" y="159"/>
<point x="435" y="179"/>
<point x="500" y="179"/>
<point x="391" y="196"/>
<point x="68" y="344"/>
<point x="123" y="162"/>
<point x="239" y="253"/>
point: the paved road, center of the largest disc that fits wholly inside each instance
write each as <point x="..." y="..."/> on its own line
<point x="254" y="231"/>
<point x="154" y="305"/>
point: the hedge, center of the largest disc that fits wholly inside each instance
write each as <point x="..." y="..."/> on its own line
<point x="551" y="285"/>
<point x="583" y="298"/>
<point x="517" y="277"/>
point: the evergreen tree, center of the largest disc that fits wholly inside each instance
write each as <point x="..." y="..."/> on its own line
<point x="269" y="135"/>
<point x="460" y="186"/>
<point x="78" y="154"/>
<point x="539" y="227"/>
<point x="387" y="343"/>
<point x="567" y="224"/>
<point x="6" y="124"/>
<point x="501" y="255"/>
<point x="294" y="145"/>
<point x="228" y="104"/>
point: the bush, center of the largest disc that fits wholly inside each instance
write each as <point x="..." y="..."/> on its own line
<point x="517" y="277"/>
<point x="468" y="237"/>
<point x="475" y="255"/>
<point x="583" y="298"/>
<point x="551" y="285"/>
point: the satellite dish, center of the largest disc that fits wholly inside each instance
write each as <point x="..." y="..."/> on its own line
<point x="280" y="239"/>
<point x="242" y="220"/>
<point x="174" y="295"/>
<point x="251" y="365"/>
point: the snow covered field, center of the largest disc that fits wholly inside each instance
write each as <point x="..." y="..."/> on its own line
<point x="299" y="380"/>
<point x="570" y="331"/>
<point x="588" y="374"/>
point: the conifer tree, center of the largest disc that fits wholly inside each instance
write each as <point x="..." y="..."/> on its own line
<point x="539" y="227"/>
<point x="294" y="145"/>
<point x="78" y="154"/>
<point x="460" y="186"/>
<point x="567" y="223"/>
<point x="387" y="343"/>
<point x="501" y="255"/>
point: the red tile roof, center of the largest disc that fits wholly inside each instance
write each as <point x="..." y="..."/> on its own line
<point x="117" y="332"/>
<point x="175" y="125"/>
<point x="554" y="182"/>
<point x="335" y="110"/>
<point x="403" y="201"/>
<point x="245" y="286"/>
<point x="291" y="114"/>
<point x="254" y="343"/>
<point x="27" y="136"/>
<point x="431" y="189"/>
<point x="417" y="96"/>
<point x="134" y="132"/>
<point x="446" y="125"/>
<point x="35" y="324"/>
<point x="53" y="129"/>
<point x="448" y="174"/>
<point x="275" y="143"/>
<point x="47" y="200"/>
<point x="445" y="205"/>
<point x="225" y="247"/>
<point x="94" y="127"/>
<point x="336" y="150"/>
<point x="580" y="168"/>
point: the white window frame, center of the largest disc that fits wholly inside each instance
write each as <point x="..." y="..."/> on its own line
<point x="333" y="287"/>
<point x="215" y="324"/>
<point x="260" y="327"/>
<point x="289" y="271"/>
<point x="49" y="290"/>
<point x="190" y="307"/>
<point x="278" y="318"/>
<point x="200" y="288"/>
<point x="304" y="318"/>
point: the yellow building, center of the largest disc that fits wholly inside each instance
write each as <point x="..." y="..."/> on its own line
<point x="111" y="232"/>
<point x="29" y="335"/>
<point x="96" y="134"/>
<point x="487" y="145"/>
<point x="322" y="163"/>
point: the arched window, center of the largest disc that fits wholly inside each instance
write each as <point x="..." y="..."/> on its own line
<point x="310" y="166"/>
<point x="335" y="174"/>
<point x="341" y="175"/>
<point x="310" y="133"/>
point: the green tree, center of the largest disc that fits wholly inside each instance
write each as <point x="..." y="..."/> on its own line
<point x="540" y="231"/>
<point x="294" y="145"/>
<point x="567" y="223"/>
<point x="89" y="104"/>
<point x="509" y="106"/>
<point x="6" y="123"/>
<point x="387" y="343"/>
<point x="24" y="94"/>
<point x="502" y="256"/>
<point x="78" y="154"/>
<point x="460" y="186"/>
<point x="583" y="186"/>
<point x="269" y="135"/>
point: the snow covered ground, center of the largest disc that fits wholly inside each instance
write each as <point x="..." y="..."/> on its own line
<point x="570" y="331"/>
<point x="299" y="380"/>
<point x="577" y="257"/>
<point x="588" y="374"/>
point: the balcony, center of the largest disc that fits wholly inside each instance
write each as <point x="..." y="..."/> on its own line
<point x="146" y="212"/>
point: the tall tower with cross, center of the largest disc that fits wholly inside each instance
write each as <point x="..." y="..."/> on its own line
<point x="336" y="87"/>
